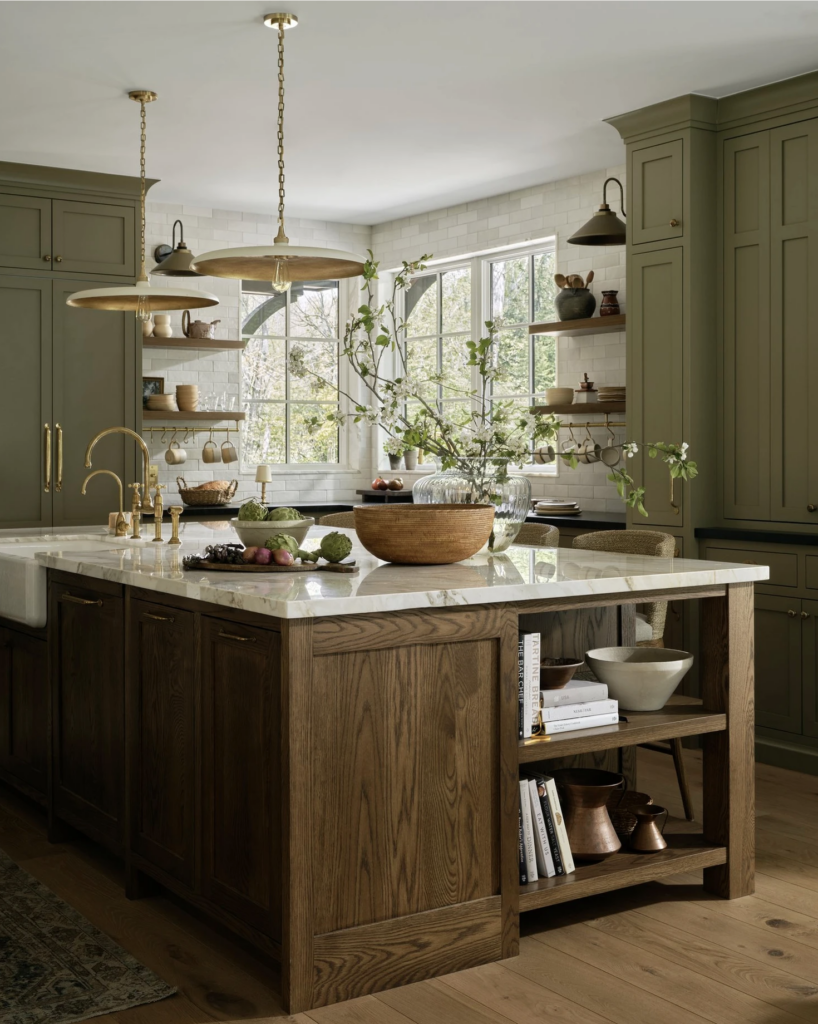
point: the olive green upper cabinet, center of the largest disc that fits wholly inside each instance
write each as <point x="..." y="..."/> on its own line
<point x="25" y="232"/>
<point x="657" y="192"/>
<point x="655" y="372"/>
<point x="93" y="238"/>
<point x="746" y="320"/>
<point x="794" y="321"/>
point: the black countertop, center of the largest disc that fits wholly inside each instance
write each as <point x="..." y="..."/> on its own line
<point x="323" y="508"/>
<point x="585" y="520"/>
<point x="756" y="536"/>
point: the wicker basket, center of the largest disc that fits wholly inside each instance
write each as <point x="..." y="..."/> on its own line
<point x="423" y="534"/>
<point x="200" y="496"/>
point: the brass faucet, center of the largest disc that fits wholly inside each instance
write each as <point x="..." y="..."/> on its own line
<point x="147" y="505"/>
<point x="121" y="526"/>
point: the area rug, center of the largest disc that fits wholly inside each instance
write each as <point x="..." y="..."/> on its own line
<point x="56" y="967"/>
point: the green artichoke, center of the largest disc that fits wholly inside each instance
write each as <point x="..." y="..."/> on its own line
<point x="307" y="556"/>
<point x="283" y="514"/>
<point x="335" y="547"/>
<point x="282" y="542"/>
<point x="252" y="511"/>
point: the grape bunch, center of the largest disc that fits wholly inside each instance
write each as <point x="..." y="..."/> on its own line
<point x="224" y="554"/>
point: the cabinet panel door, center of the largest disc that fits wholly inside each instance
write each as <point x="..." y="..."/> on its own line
<point x="778" y="663"/>
<point x="794" y="321"/>
<point x="809" y="665"/>
<point x="94" y="388"/>
<point x="24" y="710"/>
<point x="26" y="419"/>
<point x="746" y="410"/>
<point x="86" y="637"/>
<point x="241" y="772"/>
<point x="25" y="232"/>
<point x="657" y="191"/>
<point x="655" y="371"/>
<point x="162" y="715"/>
<point x="93" y="238"/>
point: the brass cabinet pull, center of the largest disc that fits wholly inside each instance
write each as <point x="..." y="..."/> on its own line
<point x="804" y="615"/>
<point x="159" y="618"/>
<point x="792" y="613"/>
<point x="234" y="636"/>
<point x="58" y="259"/>
<point x="46" y="259"/>
<point x="85" y="600"/>
<point x="811" y="508"/>
<point x="673" y="223"/>
<point x="47" y="458"/>
<point x="58" y="433"/>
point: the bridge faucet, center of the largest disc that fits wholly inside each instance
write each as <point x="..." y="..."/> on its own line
<point x="147" y="504"/>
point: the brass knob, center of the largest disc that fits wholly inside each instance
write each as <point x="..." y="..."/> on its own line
<point x="673" y="223"/>
<point x="59" y="258"/>
<point x="811" y="508"/>
<point x="46" y="259"/>
<point x="804" y="615"/>
<point x="791" y="613"/>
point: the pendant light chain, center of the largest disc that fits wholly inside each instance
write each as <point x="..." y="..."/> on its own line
<point x="281" y="237"/>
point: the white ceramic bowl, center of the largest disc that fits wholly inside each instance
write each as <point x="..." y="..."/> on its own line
<point x="559" y="396"/>
<point x="640" y="678"/>
<point x="253" y="534"/>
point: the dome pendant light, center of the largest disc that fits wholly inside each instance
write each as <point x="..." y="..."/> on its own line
<point x="604" y="228"/>
<point x="140" y="298"/>
<point x="281" y="263"/>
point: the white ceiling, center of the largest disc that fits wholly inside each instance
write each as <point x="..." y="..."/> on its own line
<point x="393" y="107"/>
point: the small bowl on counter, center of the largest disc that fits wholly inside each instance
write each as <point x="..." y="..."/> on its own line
<point x="555" y="673"/>
<point x="640" y="678"/>
<point x="423" y="534"/>
<point x="253" y="533"/>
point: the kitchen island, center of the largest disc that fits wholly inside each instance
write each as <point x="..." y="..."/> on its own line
<point x="328" y="764"/>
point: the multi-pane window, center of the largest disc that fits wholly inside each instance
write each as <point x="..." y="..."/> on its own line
<point x="281" y="409"/>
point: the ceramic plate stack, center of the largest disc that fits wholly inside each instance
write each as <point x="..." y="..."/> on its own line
<point x="187" y="397"/>
<point x="613" y="393"/>
<point x="556" y="507"/>
<point x="162" y="403"/>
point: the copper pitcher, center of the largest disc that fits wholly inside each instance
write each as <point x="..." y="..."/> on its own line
<point x="647" y="837"/>
<point x="584" y="794"/>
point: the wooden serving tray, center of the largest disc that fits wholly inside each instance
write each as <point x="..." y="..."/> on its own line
<point x="343" y="567"/>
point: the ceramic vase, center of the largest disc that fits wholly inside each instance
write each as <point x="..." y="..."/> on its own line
<point x="162" y="328"/>
<point x="410" y="458"/>
<point x="610" y="304"/>
<point x="575" y="303"/>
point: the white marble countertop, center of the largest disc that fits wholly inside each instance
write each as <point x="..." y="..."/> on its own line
<point x="521" y="574"/>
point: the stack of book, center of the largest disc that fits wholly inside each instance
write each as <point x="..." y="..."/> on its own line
<point x="578" y="705"/>
<point x="543" y="845"/>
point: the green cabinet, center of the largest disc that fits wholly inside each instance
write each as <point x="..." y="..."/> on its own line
<point x="24" y="712"/>
<point x="809" y="661"/>
<point x="25" y="232"/>
<point x="657" y="193"/>
<point x="655" y="372"/>
<point x="778" y="663"/>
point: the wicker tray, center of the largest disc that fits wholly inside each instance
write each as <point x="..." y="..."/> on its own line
<point x="196" y="496"/>
<point x="343" y="567"/>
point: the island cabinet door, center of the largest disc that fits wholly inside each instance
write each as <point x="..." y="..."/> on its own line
<point x="162" y="695"/>
<point x="24" y="711"/>
<point x="86" y="652"/>
<point x="241" y="772"/>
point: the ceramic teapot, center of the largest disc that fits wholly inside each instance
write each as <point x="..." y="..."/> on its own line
<point x="198" y="328"/>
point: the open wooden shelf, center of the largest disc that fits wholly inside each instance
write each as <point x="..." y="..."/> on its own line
<point x="576" y="328"/>
<point x="216" y="343"/>
<point x="192" y="417"/>
<point x="681" y="716"/>
<point x="579" y="409"/>
<point x="685" y="852"/>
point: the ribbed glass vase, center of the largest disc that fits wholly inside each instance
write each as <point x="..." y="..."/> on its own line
<point x="481" y="482"/>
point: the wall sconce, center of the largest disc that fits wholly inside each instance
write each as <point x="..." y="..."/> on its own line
<point x="174" y="262"/>
<point x="604" y="228"/>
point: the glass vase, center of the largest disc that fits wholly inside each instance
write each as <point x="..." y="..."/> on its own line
<point x="481" y="482"/>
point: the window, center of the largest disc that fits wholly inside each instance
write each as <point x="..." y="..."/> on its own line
<point x="280" y="408"/>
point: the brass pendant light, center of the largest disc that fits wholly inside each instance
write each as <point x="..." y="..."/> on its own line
<point x="281" y="263"/>
<point x="604" y="228"/>
<point x="140" y="298"/>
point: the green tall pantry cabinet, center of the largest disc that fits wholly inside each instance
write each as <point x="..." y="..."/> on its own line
<point x="65" y="373"/>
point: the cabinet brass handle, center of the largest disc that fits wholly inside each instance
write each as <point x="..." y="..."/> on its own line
<point x="85" y="600"/>
<point x="58" y="433"/>
<point x="673" y="223"/>
<point x="235" y="636"/>
<point x="159" y="618"/>
<point x="46" y="259"/>
<point x="58" y="259"/>
<point x="47" y="458"/>
<point x="811" y="508"/>
<point x="792" y="613"/>
<point x="804" y="615"/>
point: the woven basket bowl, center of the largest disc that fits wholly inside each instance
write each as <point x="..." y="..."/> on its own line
<point x="195" y="496"/>
<point x="423" y="534"/>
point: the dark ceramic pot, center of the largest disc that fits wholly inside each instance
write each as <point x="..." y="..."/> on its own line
<point x="610" y="304"/>
<point x="575" y="303"/>
<point x="584" y="794"/>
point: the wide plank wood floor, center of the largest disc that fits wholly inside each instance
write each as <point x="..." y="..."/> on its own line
<point x="663" y="953"/>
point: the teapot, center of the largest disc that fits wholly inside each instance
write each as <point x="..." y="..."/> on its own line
<point x="198" y="328"/>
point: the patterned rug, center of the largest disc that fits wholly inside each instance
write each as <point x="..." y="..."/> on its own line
<point x="55" y="967"/>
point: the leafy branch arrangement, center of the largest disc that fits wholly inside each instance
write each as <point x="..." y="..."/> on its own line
<point x="482" y="429"/>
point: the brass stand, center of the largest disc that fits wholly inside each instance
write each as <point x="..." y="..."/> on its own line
<point x="175" y="512"/>
<point x="157" y="513"/>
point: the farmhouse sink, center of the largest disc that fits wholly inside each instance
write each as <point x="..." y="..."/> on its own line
<point x="23" y="585"/>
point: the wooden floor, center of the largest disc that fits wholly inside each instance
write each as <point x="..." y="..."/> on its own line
<point x="658" y="954"/>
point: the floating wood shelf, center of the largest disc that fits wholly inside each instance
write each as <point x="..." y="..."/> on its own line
<point x="685" y="852"/>
<point x="681" y="716"/>
<point x="580" y="409"/>
<point x="575" y="328"/>
<point x="215" y="343"/>
<point x="192" y="417"/>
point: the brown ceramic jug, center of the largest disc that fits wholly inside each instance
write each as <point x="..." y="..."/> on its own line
<point x="584" y="794"/>
<point x="647" y="837"/>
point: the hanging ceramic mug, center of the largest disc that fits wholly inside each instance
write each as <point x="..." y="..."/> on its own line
<point x="175" y="455"/>
<point x="229" y="453"/>
<point x="211" y="452"/>
<point x="610" y="455"/>
<point x="544" y="455"/>
<point x="588" y="452"/>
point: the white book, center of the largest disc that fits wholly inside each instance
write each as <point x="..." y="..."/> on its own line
<point x="575" y="692"/>
<point x="531" y="655"/>
<point x="528" y="831"/>
<point x="584" y="710"/>
<point x="571" y="724"/>
<point x="559" y="824"/>
<point x="542" y="848"/>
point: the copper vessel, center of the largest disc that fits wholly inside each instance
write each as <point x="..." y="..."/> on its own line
<point x="647" y="837"/>
<point x="584" y="794"/>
